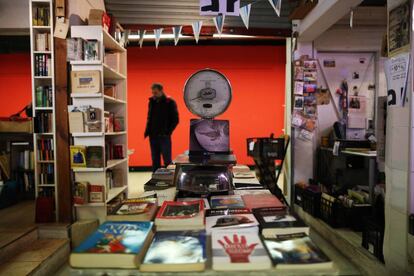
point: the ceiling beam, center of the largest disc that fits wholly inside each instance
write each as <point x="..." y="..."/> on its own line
<point x="323" y="16"/>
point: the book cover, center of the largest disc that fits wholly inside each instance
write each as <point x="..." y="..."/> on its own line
<point x="176" y="251"/>
<point x="180" y="210"/>
<point x="225" y="202"/>
<point x="294" y="250"/>
<point x="94" y="157"/>
<point x="205" y="201"/>
<point x="261" y="201"/>
<point x="219" y="219"/>
<point x="274" y="221"/>
<point x="137" y="209"/>
<point x="238" y="249"/>
<point x="77" y="156"/>
<point x="113" y="244"/>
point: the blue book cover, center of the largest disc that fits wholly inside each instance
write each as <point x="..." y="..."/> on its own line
<point x="177" y="247"/>
<point x="117" y="238"/>
<point x="226" y="202"/>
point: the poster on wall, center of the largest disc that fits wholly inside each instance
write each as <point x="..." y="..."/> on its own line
<point x="399" y="29"/>
<point x="216" y="7"/>
<point x="396" y="72"/>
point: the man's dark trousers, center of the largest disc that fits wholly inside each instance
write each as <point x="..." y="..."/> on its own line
<point x="160" y="145"/>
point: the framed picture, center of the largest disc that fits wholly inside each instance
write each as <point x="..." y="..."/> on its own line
<point x="399" y="29"/>
<point x="299" y="103"/>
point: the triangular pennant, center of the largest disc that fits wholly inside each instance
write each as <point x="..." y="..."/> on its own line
<point x="197" y="29"/>
<point x="219" y="22"/>
<point x="157" y="33"/>
<point x="277" y="6"/>
<point x="141" y="37"/>
<point x="245" y="14"/>
<point x="351" y="19"/>
<point x="177" y="33"/>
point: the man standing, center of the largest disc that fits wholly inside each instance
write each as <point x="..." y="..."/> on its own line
<point x="161" y="121"/>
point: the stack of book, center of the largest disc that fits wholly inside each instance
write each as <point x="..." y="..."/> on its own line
<point x="43" y="122"/>
<point x="42" y="65"/>
<point x="250" y="231"/>
<point x="46" y="174"/>
<point x="45" y="149"/>
<point x="44" y="96"/>
<point x="41" y="16"/>
<point x="42" y="41"/>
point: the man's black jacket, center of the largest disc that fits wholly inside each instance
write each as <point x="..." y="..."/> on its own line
<point x="162" y="116"/>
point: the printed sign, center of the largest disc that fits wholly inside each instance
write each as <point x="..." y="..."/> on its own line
<point x="216" y="7"/>
<point x="396" y="71"/>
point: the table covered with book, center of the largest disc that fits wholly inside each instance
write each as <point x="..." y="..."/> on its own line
<point x="248" y="230"/>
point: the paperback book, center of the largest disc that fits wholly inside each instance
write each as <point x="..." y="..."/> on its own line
<point x="279" y="221"/>
<point x="296" y="251"/>
<point x="253" y="201"/>
<point x="225" y="202"/>
<point x="205" y="201"/>
<point x="185" y="215"/>
<point x="176" y="251"/>
<point x="238" y="249"/>
<point x="113" y="245"/>
<point x="135" y="210"/>
<point x="219" y="219"/>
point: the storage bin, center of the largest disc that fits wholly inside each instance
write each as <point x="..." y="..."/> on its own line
<point x="355" y="216"/>
<point x="311" y="202"/>
<point x="299" y="195"/>
<point x="373" y="234"/>
<point x="332" y="212"/>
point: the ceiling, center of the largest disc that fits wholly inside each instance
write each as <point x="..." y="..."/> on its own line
<point x="134" y="14"/>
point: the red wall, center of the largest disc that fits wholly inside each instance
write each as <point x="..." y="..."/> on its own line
<point x="15" y="88"/>
<point x="257" y="76"/>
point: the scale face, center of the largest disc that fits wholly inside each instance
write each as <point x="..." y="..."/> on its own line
<point x="207" y="93"/>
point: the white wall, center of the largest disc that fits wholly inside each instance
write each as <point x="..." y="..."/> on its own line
<point x="14" y="16"/>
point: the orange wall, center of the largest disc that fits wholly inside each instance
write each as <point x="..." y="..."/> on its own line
<point x="15" y="88"/>
<point x="256" y="73"/>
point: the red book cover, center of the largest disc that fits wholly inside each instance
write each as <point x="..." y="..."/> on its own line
<point x="180" y="209"/>
<point x="261" y="201"/>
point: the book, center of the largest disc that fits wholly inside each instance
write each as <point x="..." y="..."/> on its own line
<point x="135" y="210"/>
<point x="229" y="201"/>
<point x="78" y="156"/>
<point x="261" y="200"/>
<point x="185" y="215"/>
<point x="219" y="219"/>
<point x="94" y="157"/>
<point x="296" y="251"/>
<point x="80" y="195"/>
<point x="248" y="174"/>
<point x="238" y="249"/>
<point x="205" y="201"/>
<point x="114" y="245"/>
<point x="87" y="81"/>
<point x="278" y="221"/>
<point x="252" y="192"/>
<point x="96" y="193"/>
<point x="176" y="251"/>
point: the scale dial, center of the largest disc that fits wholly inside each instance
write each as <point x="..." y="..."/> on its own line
<point x="207" y="93"/>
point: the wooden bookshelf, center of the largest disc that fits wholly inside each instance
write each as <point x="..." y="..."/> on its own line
<point x="43" y="79"/>
<point x="116" y="105"/>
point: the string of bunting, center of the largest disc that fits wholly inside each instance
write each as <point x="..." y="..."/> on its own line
<point x="244" y="14"/>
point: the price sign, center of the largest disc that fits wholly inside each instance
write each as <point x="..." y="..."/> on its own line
<point x="216" y="7"/>
<point x="396" y="71"/>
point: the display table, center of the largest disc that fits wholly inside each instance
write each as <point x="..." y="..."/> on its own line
<point x="342" y="265"/>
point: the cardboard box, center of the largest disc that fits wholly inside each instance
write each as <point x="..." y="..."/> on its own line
<point x="95" y="17"/>
<point x="113" y="60"/>
<point x="110" y="90"/>
<point x="86" y="81"/>
<point x="16" y="125"/>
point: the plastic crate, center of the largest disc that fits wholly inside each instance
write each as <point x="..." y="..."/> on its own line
<point x="356" y="215"/>
<point x="311" y="202"/>
<point x="299" y="195"/>
<point x="373" y="234"/>
<point x="332" y="212"/>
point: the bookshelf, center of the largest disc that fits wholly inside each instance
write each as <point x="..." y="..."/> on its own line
<point x="43" y="99"/>
<point x="110" y="75"/>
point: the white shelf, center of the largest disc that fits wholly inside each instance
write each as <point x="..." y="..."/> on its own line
<point x="43" y="77"/>
<point x="115" y="133"/>
<point x="87" y="134"/>
<point x="46" y="185"/>
<point x="111" y="100"/>
<point x="82" y="170"/>
<point x="44" y="134"/>
<point x="86" y="95"/>
<point x="111" y="74"/>
<point x="45" y="161"/>
<point x="113" y="163"/>
<point x="43" y="108"/>
<point x="41" y="27"/>
<point x="114" y="192"/>
<point x="42" y="52"/>
<point x="85" y="62"/>
<point x="110" y="43"/>
<point x="95" y="204"/>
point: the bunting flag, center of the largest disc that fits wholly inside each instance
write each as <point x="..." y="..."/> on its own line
<point x="141" y="34"/>
<point x="351" y="19"/>
<point x="157" y="33"/>
<point x="245" y="14"/>
<point x="197" y="29"/>
<point x="219" y="22"/>
<point x="177" y="33"/>
<point x="277" y="6"/>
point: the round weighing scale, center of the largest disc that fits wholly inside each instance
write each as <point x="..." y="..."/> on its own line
<point x="207" y="93"/>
